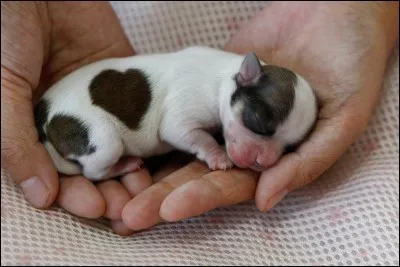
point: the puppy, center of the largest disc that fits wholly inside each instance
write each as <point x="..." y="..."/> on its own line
<point x="104" y="118"/>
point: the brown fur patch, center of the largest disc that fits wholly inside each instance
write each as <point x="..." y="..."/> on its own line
<point x="126" y="95"/>
<point x="69" y="135"/>
<point x="267" y="102"/>
<point x="283" y="81"/>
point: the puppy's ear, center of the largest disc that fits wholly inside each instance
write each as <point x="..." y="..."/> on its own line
<point x="250" y="70"/>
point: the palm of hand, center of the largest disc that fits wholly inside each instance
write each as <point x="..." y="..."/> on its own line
<point x="334" y="55"/>
<point x="60" y="37"/>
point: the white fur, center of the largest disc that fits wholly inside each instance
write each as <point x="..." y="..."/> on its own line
<point x="191" y="92"/>
<point x="302" y="116"/>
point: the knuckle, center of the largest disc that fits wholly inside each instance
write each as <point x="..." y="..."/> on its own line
<point x="12" y="151"/>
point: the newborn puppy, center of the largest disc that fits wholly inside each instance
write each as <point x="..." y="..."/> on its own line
<point x="104" y="118"/>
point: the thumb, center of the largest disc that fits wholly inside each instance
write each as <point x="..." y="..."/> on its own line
<point x="23" y="157"/>
<point x="329" y="140"/>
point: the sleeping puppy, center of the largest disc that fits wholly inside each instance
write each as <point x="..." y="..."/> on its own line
<point x="101" y="120"/>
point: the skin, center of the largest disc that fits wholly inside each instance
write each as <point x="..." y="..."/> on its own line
<point x="343" y="59"/>
<point x="54" y="44"/>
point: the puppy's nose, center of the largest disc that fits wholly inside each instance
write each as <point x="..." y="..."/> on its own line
<point x="241" y="154"/>
<point x="257" y="167"/>
<point x="266" y="160"/>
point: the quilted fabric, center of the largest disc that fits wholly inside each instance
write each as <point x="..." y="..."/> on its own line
<point x="350" y="216"/>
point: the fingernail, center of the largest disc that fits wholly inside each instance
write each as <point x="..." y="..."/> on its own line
<point x="275" y="199"/>
<point x="35" y="191"/>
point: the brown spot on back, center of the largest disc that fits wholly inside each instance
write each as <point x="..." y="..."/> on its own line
<point x="126" y="95"/>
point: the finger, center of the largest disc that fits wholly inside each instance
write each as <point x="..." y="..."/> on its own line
<point x="329" y="140"/>
<point x="80" y="196"/>
<point x="22" y="155"/>
<point x="120" y="228"/>
<point x="143" y="211"/>
<point x="161" y="166"/>
<point x="115" y="196"/>
<point x="136" y="182"/>
<point x="213" y="190"/>
<point x="166" y="170"/>
<point x="176" y="162"/>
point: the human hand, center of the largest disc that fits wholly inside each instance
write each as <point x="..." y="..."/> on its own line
<point x="41" y="42"/>
<point x="342" y="49"/>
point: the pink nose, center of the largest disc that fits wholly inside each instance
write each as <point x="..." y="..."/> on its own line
<point x="265" y="160"/>
<point x="242" y="156"/>
<point x="252" y="156"/>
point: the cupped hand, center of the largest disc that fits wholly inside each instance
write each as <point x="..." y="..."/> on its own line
<point x="41" y="42"/>
<point x="342" y="49"/>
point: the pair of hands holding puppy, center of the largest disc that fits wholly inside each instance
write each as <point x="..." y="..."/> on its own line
<point x="341" y="48"/>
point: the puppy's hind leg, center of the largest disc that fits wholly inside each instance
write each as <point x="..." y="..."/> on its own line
<point x="124" y="166"/>
<point x="108" y="160"/>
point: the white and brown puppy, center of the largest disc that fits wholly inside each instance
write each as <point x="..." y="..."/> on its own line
<point x="148" y="105"/>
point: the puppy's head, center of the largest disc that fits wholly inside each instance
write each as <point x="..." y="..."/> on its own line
<point x="273" y="110"/>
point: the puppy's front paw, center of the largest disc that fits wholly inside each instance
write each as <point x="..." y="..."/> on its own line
<point x="218" y="160"/>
